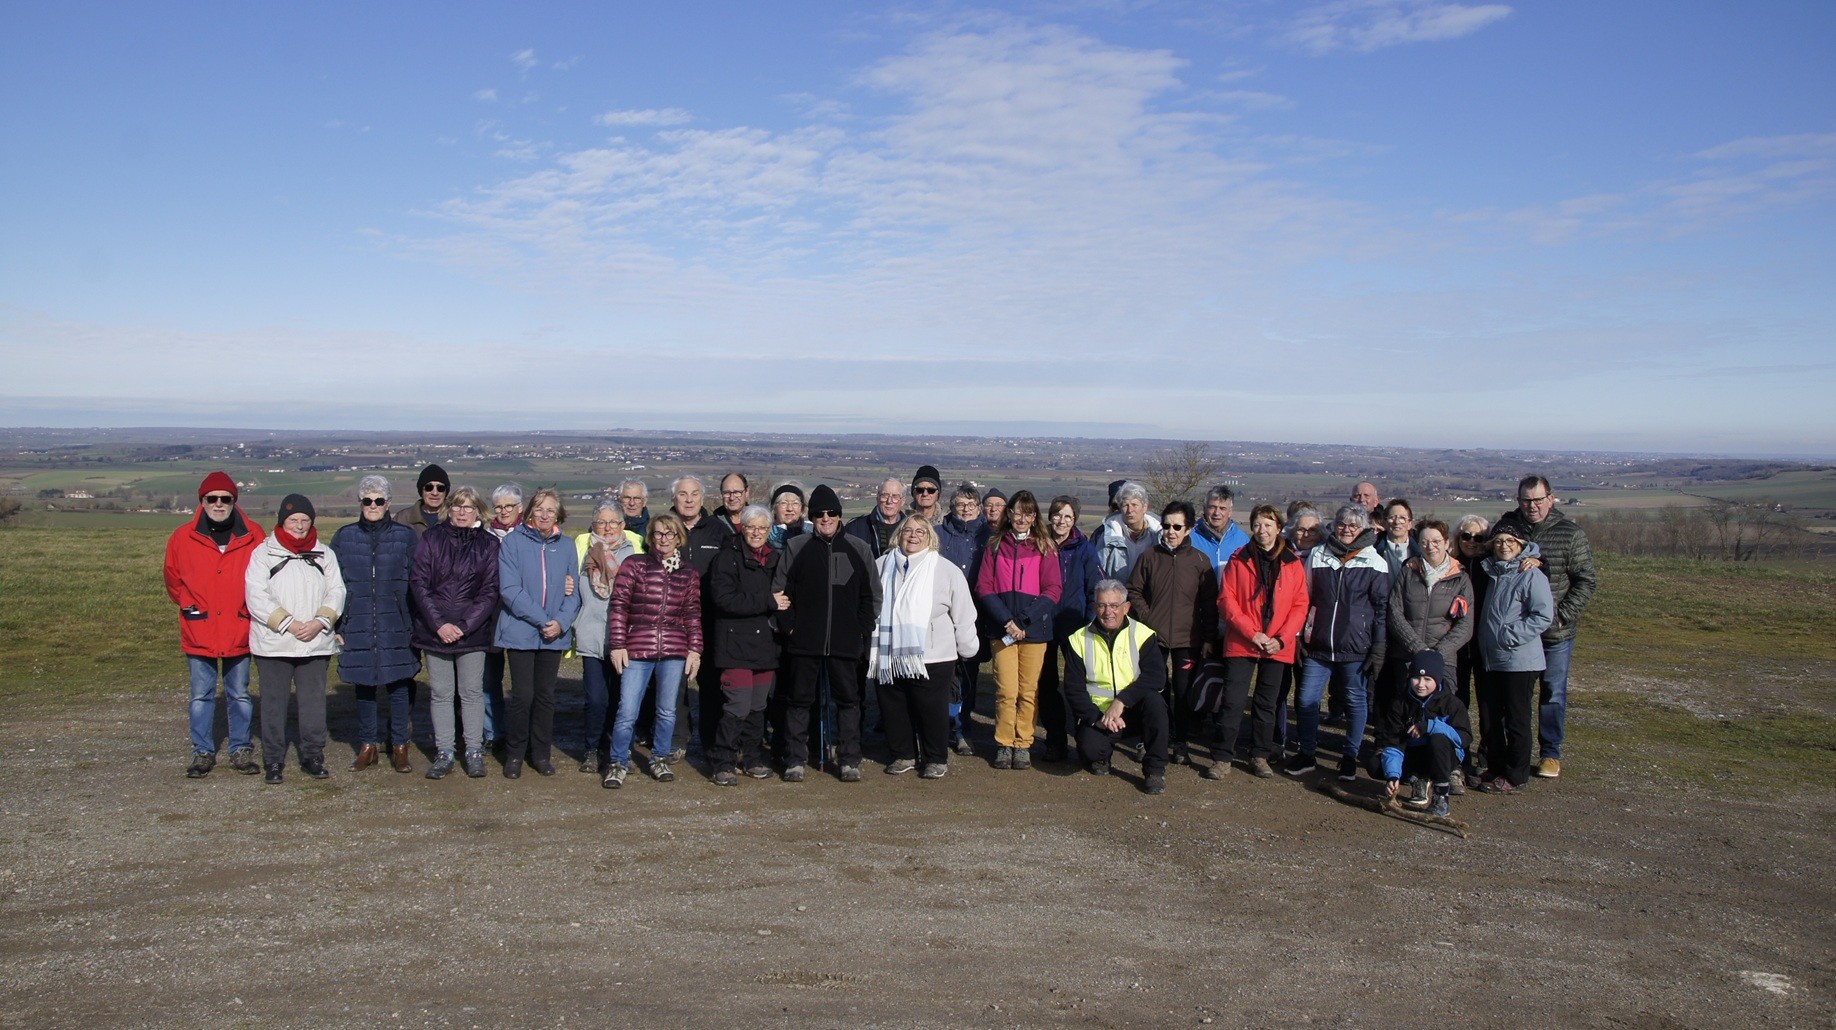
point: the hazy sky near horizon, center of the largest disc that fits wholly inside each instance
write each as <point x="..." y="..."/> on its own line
<point x="1553" y="224"/>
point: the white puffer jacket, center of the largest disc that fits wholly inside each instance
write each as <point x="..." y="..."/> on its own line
<point x="283" y="586"/>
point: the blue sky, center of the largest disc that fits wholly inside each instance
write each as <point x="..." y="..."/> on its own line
<point x="1404" y="222"/>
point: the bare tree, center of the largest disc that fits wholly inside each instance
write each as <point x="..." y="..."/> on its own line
<point x="9" y="507"/>
<point x="1175" y="475"/>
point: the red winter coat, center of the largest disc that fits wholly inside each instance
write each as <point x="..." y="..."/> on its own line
<point x="207" y="585"/>
<point x="1241" y="608"/>
<point x="654" y="613"/>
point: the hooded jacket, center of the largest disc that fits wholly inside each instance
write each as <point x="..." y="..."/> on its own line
<point x="1348" y="603"/>
<point x="1438" y="714"/>
<point x="1518" y="610"/>
<point x="834" y="595"/>
<point x="1175" y="594"/>
<point x="531" y="589"/>
<point x="282" y="586"/>
<point x="1438" y="618"/>
<point x="1018" y="584"/>
<point x="454" y="579"/>
<point x="1116" y="553"/>
<point x="377" y="626"/>
<point x="654" y="612"/>
<point x="1240" y="605"/>
<point x="1568" y="561"/>
<point x="745" y="613"/>
<point x="208" y="584"/>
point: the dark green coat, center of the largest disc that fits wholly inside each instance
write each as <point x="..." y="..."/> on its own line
<point x="1568" y="561"/>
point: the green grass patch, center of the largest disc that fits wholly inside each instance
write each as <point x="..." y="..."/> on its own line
<point x="1795" y="749"/>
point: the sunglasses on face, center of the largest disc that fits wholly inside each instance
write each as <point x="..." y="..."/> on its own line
<point x="924" y="489"/>
<point x="434" y="488"/>
<point x="374" y="502"/>
<point x="219" y="499"/>
<point x="1472" y="537"/>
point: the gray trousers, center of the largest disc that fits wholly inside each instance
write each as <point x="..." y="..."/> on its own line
<point x="463" y="674"/>
<point x="279" y="678"/>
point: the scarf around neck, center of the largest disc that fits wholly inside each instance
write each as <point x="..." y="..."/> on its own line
<point x="297" y="544"/>
<point x="1339" y="550"/>
<point x="907" y="585"/>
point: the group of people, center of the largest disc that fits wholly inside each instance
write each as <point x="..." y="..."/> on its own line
<point x="759" y="631"/>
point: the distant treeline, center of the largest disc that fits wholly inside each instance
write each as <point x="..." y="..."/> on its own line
<point x="1721" y="531"/>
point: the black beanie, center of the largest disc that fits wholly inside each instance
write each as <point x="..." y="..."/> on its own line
<point x="1428" y="663"/>
<point x="823" y="499"/>
<point x="993" y="493"/>
<point x="294" y="503"/>
<point x="787" y="488"/>
<point x="432" y="474"/>
<point x="1113" y="487"/>
<point x="927" y="474"/>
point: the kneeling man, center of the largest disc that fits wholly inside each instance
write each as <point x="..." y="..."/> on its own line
<point x="1114" y="671"/>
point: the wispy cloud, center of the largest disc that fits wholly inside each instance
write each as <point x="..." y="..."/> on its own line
<point x="486" y="95"/>
<point x="643" y="117"/>
<point x="525" y="60"/>
<point x="1367" y="25"/>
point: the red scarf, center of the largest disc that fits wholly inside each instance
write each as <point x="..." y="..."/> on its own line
<point x="759" y="554"/>
<point x="297" y="544"/>
<point x="505" y="527"/>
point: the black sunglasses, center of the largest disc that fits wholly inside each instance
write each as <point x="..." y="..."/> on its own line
<point x="924" y="489"/>
<point x="374" y="502"/>
<point x="219" y="499"/>
<point x="1472" y="536"/>
<point x="441" y="487"/>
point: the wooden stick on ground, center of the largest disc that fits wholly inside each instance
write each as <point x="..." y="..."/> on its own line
<point x="1388" y="806"/>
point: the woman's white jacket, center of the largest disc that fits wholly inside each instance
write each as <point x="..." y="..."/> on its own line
<point x="283" y="586"/>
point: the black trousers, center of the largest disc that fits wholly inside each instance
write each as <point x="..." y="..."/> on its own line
<point x="740" y="731"/>
<point x="1466" y="673"/>
<point x="1270" y="679"/>
<point x="530" y="715"/>
<point x="1054" y="714"/>
<point x="1148" y="718"/>
<point x="802" y="676"/>
<point x="1507" y="705"/>
<point x="1433" y="760"/>
<point x="1188" y="726"/>
<point x="917" y="713"/>
<point x="280" y="680"/>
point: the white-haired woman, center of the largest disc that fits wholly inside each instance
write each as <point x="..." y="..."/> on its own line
<point x="926" y="625"/>
<point x="376" y="632"/>
<point x="601" y="550"/>
<point x="1472" y="546"/>
<point x="743" y="644"/>
<point x="453" y="584"/>
<point x="506" y="514"/>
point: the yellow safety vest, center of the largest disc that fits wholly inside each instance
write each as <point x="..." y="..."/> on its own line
<point x="1110" y="670"/>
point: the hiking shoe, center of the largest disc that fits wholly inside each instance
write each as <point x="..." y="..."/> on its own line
<point x="474" y="764"/>
<point x="1348" y="769"/>
<point x="614" y="776"/>
<point x="678" y="755"/>
<point x="315" y="767"/>
<point x="794" y="774"/>
<point x="901" y="767"/>
<point x="442" y="764"/>
<point x="591" y="763"/>
<point x="1099" y="768"/>
<point x="1023" y="758"/>
<point x="726" y="778"/>
<point x="962" y="747"/>
<point x="202" y="762"/>
<point x="1418" y="793"/>
<point x="760" y="771"/>
<point x="1214" y="771"/>
<point x="1498" y="785"/>
<point x="513" y="768"/>
<point x="1439" y="805"/>
<point x="1259" y="768"/>
<point x="1180" y="755"/>
<point x="660" y="770"/>
<point x="849" y="774"/>
<point x="1004" y="758"/>
<point x="933" y="771"/>
<point x="1156" y="784"/>
<point x="243" y="761"/>
<point x="1301" y="764"/>
<point x="1457" y="785"/>
<point x="1549" y="769"/>
<point x="273" y="774"/>
<point x="543" y="766"/>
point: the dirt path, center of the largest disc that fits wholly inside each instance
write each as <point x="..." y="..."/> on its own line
<point x="129" y="895"/>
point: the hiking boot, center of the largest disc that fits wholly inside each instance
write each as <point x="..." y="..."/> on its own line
<point x="1099" y="768"/>
<point x="1023" y="758"/>
<point x="1348" y="769"/>
<point x="1549" y="769"/>
<point x="202" y="762"/>
<point x="398" y="758"/>
<point x="1259" y="768"/>
<point x="933" y="771"/>
<point x="513" y="768"/>
<point x="678" y="755"/>
<point x="614" y="777"/>
<point x="1418" y="793"/>
<point x="901" y="767"/>
<point x="243" y="761"/>
<point x="1498" y="785"/>
<point x="849" y="774"/>
<point x="1155" y="784"/>
<point x="760" y="771"/>
<point x="1004" y="758"/>
<point x="442" y="764"/>
<point x="474" y="764"/>
<point x="366" y="757"/>
<point x="591" y="763"/>
<point x="273" y="773"/>
<point x="315" y="767"/>
<point x="1301" y="765"/>
<point x="543" y="766"/>
<point x="1214" y="771"/>
<point x="660" y="770"/>
<point x="726" y="778"/>
<point x="793" y="774"/>
<point x="1439" y="805"/>
<point x="962" y="747"/>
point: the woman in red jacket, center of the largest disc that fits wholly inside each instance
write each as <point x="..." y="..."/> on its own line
<point x="1263" y="603"/>
<point x="653" y="630"/>
<point x="1019" y="586"/>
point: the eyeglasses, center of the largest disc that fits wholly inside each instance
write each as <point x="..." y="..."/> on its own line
<point x="1533" y="500"/>
<point x="733" y="493"/>
<point x="374" y="502"/>
<point x="924" y="489"/>
<point x="1472" y="537"/>
<point x="434" y="488"/>
<point x="505" y="507"/>
<point x="219" y="499"/>
<point x="606" y="524"/>
<point x="661" y="533"/>
<point x="464" y="507"/>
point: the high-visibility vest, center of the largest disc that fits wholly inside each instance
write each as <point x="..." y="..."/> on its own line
<point x="1108" y="671"/>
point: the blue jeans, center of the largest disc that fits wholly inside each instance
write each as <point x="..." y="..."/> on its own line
<point x="400" y="696"/>
<point x="632" y="687"/>
<point x="596" y="682"/>
<point x="968" y="671"/>
<point x="1552" y="715"/>
<point x="204" y="702"/>
<point x="1347" y="679"/>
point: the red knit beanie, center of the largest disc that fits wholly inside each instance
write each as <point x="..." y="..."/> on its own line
<point x="219" y="481"/>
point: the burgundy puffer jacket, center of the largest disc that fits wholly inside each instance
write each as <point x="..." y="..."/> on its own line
<point x="454" y="579"/>
<point x="654" y="613"/>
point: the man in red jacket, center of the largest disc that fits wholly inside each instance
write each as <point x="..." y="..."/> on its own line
<point x="205" y="563"/>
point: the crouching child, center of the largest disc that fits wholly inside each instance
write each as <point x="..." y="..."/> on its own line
<point x="1423" y="736"/>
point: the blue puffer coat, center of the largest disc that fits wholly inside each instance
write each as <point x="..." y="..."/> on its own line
<point x="1518" y="608"/>
<point x="531" y="580"/>
<point x="377" y="626"/>
<point x="1079" y="574"/>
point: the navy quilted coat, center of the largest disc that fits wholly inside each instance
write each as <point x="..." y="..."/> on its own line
<point x="376" y="626"/>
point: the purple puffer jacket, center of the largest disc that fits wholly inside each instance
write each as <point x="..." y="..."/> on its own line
<point x="454" y="579"/>
<point x="654" y="613"/>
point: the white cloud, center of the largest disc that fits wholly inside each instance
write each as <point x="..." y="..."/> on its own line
<point x="486" y="95"/>
<point x="524" y="59"/>
<point x="1368" y="25"/>
<point x="645" y="117"/>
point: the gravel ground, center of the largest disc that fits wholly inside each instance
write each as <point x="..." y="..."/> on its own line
<point x="132" y="895"/>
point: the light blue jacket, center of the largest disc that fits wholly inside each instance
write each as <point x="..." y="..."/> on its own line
<point x="1219" y="551"/>
<point x="1518" y="608"/>
<point x="531" y="581"/>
